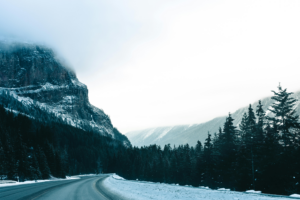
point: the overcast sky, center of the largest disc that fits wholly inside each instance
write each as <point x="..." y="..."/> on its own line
<point x="151" y="63"/>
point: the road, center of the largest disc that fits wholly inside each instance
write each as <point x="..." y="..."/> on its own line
<point x="87" y="188"/>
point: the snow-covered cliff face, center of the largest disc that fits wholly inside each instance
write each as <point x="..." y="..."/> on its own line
<point x="33" y="76"/>
<point x="178" y="135"/>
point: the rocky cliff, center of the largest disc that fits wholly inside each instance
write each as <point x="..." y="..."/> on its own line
<point x="34" y="80"/>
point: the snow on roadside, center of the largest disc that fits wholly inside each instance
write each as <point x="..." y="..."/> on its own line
<point x="115" y="176"/>
<point x="14" y="183"/>
<point x="146" y="190"/>
<point x="253" y="191"/>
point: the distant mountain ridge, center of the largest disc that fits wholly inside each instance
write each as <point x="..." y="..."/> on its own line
<point x="182" y="134"/>
<point x="34" y="81"/>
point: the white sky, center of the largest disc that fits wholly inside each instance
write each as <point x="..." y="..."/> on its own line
<point x="158" y="63"/>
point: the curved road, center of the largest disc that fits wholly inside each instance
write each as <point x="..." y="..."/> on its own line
<point x="85" y="188"/>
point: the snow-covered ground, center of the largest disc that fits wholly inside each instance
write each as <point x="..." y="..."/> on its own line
<point x="14" y="183"/>
<point x="146" y="190"/>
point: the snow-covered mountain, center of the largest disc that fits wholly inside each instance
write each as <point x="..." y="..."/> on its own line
<point x="177" y="135"/>
<point x="35" y="82"/>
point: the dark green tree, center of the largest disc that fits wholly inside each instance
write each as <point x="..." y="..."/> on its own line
<point x="270" y="180"/>
<point x="227" y="154"/>
<point x="43" y="164"/>
<point x="22" y="161"/>
<point x="243" y="127"/>
<point x="208" y="163"/>
<point x="251" y="128"/>
<point x="3" y="165"/>
<point x="285" y="115"/>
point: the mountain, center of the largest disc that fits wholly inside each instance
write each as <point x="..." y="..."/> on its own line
<point x="35" y="82"/>
<point x="178" y="135"/>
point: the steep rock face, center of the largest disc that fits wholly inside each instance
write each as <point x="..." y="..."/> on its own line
<point x="33" y="76"/>
<point x="178" y="135"/>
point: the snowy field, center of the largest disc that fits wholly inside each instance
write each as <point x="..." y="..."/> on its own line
<point x="147" y="190"/>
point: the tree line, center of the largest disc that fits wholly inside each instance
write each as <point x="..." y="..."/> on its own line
<point x="32" y="149"/>
<point x="262" y="154"/>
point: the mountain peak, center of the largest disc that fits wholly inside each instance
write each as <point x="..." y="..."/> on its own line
<point x="37" y="81"/>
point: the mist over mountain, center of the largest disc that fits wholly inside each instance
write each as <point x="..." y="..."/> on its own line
<point x="34" y="80"/>
<point x="182" y="134"/>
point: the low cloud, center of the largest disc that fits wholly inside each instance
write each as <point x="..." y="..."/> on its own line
<point x="158" y="63"/>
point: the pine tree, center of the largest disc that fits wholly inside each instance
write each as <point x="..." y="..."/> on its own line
<point x="174" y="167"/>
<point x="243" y="168"/>
<point x="10" y="161"/>
<point x="59" y="166"/>
<point x="285" y="115"/>
<point x="198" y="171"/>
<point x="258" y="144"/>
<point x="50" y="156"/>
<point x="34" y="168"/>
<point x="243" y="126"/>
<point x="260" y="113"/>
<point x="21" y="158"/>
<point x="228" y="153"/>
<point x="251" y="127"/>
<point x="3" y="164"/>
<point x="43" y="164"/>
<point x="198" y="148"/>
<point x="250" y="142"/>
<point x="270" y="182"/>
<point x="208" y="163"/>
<point x="187" y="165"/>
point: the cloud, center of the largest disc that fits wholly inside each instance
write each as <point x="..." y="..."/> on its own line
<point x="79" y="30"/>
<point x="157" y="63"/>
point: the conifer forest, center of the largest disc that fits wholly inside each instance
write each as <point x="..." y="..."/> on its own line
<point x="262" y="153"/>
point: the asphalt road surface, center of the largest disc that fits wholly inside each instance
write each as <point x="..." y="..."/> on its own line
<point x="86" y="188"/>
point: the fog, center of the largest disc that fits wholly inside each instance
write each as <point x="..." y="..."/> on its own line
<point x="158" y="63"/>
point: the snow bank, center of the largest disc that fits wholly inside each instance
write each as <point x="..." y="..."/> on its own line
<point x="7" y="181"/>
<point x="115" y="176"/>
<point x="72" y="177"/>
<point x="145" y="190"/>
<point x="253" y="191"/>
<point x="52" y="178"/>
<point x="295" y="195"/>
<point x="87" y="175"/>
<point x="223" y="189"/>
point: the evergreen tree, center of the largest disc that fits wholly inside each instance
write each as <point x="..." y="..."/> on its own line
<point x="43" y="164"/>
<point x="243" y="126"/>
<point x="198" y="170"/>
<point x="10" y="160"/>
<point x="59" y="172"/>
<point x="258" y="145"/>
<point x="270" y="182"/>
<point x="260" y="113"/>
<point x="50" y="155"/>
<point x="34" y="168"/>
<point x="3" y="164"/>
<point x="208" y="163"/>
<point x="251" y="128"/>
<point x="174" y="167"/>
<point x="187" y="169"/>
<point x="243" y="168"/>
<point x="21" y="158"/>
<point x="285" y="115"/>
<point x="228" y="153"/>
<point x="198" y="148"/>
